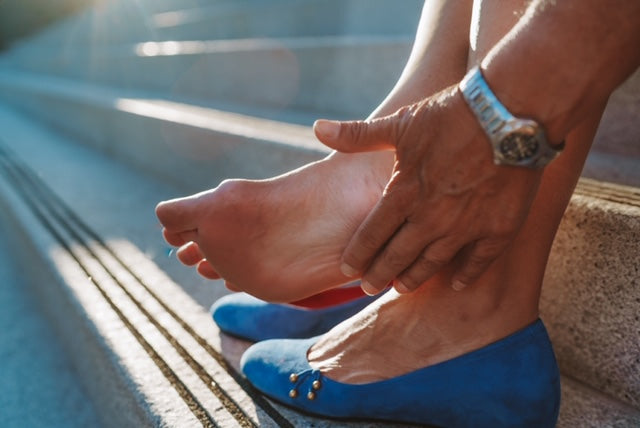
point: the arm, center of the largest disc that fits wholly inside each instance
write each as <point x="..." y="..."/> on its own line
<point x="446" y="200"/>
<point x="563" y="57"/>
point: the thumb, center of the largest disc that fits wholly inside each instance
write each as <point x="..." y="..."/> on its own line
<point x="356" y="135"/>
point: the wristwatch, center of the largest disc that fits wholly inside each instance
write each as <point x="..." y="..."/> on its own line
<point x="515" y="141"/>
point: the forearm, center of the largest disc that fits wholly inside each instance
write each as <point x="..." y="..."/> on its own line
<point x="439" y="55"/>
<point x="564" y="58"/>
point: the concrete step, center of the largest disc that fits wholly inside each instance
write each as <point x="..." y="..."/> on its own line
<point x="145" y="346"/>
<point x="39" y="384"/>
<point x="174" y="135"/>
<point x="119" y="21"/>
<point x="112" y="293"/>
<point x="95" y="22"/>
<point x="286" y="18"/>
<point x="346" y="76"/>
<point x="169" y="137"/>
<point x="338" y="77"/>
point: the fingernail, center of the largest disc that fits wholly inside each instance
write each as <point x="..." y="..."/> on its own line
<point x="348" y="270"/>
<point x="369" y="289"/>
<point x="400" y="287"/>
<point x="327" y="128"/>
<point x="458" y="285"/>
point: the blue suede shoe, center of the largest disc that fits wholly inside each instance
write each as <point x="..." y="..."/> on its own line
<point x="244" y="316"/>
<point x="513" y="382"/>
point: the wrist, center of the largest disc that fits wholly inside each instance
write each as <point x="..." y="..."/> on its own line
<point x="516" y="141"/>
<point x="523" y="96"/>
<point x="561" y="61"/>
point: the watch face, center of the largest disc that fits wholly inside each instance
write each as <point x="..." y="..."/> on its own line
<point x="517" y="147"/>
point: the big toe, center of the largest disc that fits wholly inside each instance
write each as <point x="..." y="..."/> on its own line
<point x="178" y="214"/>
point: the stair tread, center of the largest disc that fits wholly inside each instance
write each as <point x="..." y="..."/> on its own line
<point x="146" y="103"/>
<point x="122" y="21"/>
<point x="582" y="406"/>
<point x="294" y="74"/>
<point x="35" y="369"/>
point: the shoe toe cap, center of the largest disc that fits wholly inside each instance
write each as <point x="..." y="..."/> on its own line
<point x="268" y="365"/>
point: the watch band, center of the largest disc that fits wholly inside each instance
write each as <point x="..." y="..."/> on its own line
<point x="497" y="123"/>
<point x="491" y="114"/>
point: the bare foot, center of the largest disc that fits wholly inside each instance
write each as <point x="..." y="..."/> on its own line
<point x="279" y="239"/>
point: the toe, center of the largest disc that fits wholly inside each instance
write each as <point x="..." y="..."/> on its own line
<point x="205" y="269"/>
<point x="178" y="214"/>
<point x="190" y="254"/>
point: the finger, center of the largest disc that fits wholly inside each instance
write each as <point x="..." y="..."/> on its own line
<point x="480" y="257"/>
<point x="379" y="226"/>
<point x="398" y="254"/>
<point x="178" y="239"/>
<point x="190" y="254"/>
<point x="178" y="215"/>
<point x="205" y="269"/>
<point x="357" y="135"/>
<point x="435" y="257"/>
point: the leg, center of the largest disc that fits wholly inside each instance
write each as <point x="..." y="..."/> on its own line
<point x="295" y="240"/>
<point x="435" y="323"/>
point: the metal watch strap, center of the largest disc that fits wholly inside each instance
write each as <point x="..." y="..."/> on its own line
<point x="490" y="112"/>
<point x="496" y="120"/>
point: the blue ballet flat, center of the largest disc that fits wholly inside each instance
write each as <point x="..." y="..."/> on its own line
<point x="246" y="317"/>
<point x="513" y="382"/>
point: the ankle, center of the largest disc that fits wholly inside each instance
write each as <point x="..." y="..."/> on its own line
<point x="486" y="311"/>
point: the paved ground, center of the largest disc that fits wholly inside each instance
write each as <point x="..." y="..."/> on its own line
<point x="38" y="387"/>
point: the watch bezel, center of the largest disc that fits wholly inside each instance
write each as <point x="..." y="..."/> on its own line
<point x="513" y="127"/>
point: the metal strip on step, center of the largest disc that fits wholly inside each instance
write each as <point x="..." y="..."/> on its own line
<point x="48" y="205"/>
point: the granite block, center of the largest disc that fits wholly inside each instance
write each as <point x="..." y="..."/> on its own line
<point x="591" y="293"/>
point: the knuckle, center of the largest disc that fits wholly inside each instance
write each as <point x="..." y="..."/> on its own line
<point x="489" y="248"/>
<point x="368" y="241"/>
<point x="475" y="261"/>
<point x="480" y="258"/>
<point x="411" y="282"/>
<point x="423" y="268"/>
<point x="504" y="229"/>
<point x="355" y="131"/>
<point x="406" y="113"/>
<point x="354" y="261"/>
<point x="433" y="260"/>
<point x="394" y="259"/>
<point x="402" y="196"/>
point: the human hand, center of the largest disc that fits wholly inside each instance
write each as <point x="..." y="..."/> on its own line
<point x="446" y="200"/>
